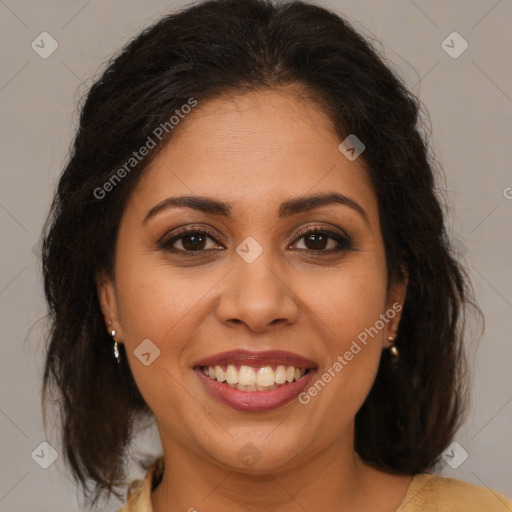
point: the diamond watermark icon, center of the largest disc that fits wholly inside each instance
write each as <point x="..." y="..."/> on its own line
<point x="459" y="248"/>
<point x="146" y="352"/>
<point x="44" y="45"/>
<point x="351" y="147"/>
<point x="454" y="455"/>
<point x="44" y="455"/>
<point x="249" y="455"/>
<point x="37" y="249"/>
<point x="454" y="45"/>
<point x="249" y="249"/>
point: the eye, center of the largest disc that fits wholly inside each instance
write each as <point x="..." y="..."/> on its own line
<point x="190" y="239"/>
<point x="317" y="239"/>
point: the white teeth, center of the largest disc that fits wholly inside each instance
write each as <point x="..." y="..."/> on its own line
<point x="265" y="376"/>
<point x="231" y="375"/>
<point x="280" y="374"/>
<point x="220" y="375"/>
<point x="247" y="376"/>
<point x="254" y="379"/>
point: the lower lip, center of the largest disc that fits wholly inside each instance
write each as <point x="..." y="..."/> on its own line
<point x="254" y="400"/>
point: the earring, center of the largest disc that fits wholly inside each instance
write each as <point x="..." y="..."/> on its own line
<point x="392" y="349"/>
<point x="116" y="347"/>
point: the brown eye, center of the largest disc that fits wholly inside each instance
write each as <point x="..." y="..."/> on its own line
<point x="191" y="240"/>
<point x="317" y="240"/>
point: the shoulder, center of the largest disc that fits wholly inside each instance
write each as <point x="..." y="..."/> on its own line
<point x="443" y="494"/>
<point x="138" y="495"/>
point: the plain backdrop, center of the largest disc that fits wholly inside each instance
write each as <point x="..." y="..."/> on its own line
<point x="468" y="96"/>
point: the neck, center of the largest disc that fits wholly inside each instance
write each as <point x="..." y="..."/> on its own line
<point x="334" y="479"/>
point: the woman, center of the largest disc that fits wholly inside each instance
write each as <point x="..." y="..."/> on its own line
<point x="246" y="245"/>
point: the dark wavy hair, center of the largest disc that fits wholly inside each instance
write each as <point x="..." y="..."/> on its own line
<point x="222" y="47"/>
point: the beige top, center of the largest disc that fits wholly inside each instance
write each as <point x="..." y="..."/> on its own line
<point x="426" y="493"/>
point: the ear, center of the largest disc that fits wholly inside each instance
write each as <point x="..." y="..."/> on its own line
<point x="395" y="303"/>
<point x="108" y="303"/>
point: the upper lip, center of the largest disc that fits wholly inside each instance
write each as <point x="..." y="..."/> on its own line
<point x="257" y="359"/>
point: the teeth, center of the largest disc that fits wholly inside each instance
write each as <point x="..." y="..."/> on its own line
<point x="265" y="376"/>
<point x="220" y="374"/>
<point x="231" y="375"/>
<point x="280" y="374"/>
<point x="248" y="378"/>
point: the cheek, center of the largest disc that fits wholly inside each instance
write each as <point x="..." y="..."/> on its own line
<point x="155" y="304"/>
<point x="154" y="298"/>
<point x="348" y="300"/>
<point x="348" y="309"/>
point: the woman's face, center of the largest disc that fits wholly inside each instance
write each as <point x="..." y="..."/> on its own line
<point x="254" y="283"/>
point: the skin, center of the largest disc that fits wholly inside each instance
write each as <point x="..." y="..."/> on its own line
<point x="255" y="151"/>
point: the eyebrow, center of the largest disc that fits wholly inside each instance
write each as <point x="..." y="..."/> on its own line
<point x="287" y="208"/>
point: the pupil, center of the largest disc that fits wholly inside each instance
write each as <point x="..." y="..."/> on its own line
<point x="197" y="240"/>
<point x="311" y="238"/>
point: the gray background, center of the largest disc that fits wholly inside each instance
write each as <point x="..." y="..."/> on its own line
<point x="469" y="99"/>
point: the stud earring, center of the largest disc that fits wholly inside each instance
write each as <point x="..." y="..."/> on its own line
<point x="392" y="349"/>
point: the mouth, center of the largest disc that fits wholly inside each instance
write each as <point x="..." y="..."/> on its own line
<point x="255" y="381"/>
<point x="249" y="378"/>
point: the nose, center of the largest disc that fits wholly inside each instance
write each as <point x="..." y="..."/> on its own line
<point x="256" y="295"/>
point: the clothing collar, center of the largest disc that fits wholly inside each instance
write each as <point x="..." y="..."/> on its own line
<point x="138" y="495"/>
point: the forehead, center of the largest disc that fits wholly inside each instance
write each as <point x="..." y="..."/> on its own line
<point x="255" y="149"/>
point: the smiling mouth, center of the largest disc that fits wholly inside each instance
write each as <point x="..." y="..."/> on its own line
<point x="251" y="378"/>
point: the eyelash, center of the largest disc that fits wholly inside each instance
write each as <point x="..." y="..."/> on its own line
<point x="344" y="242"/>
